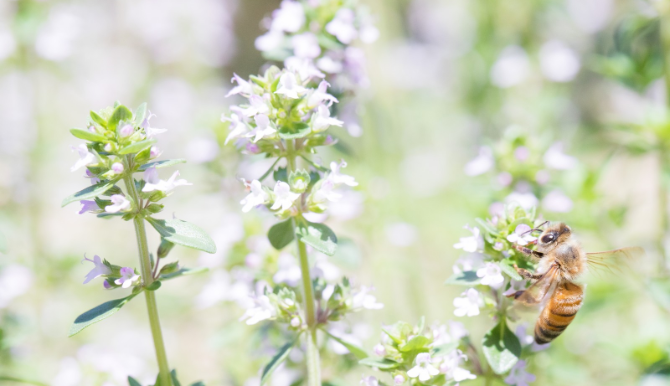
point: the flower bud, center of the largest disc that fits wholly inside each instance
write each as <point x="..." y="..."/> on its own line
<point x="399" y="379"/>
<point x="91" y="129"/>
<point x="108" y="147"/>
<point x="379" y="350"/>
<point x="299" y="180"/>
<point x="117" y="167"/>
<point x="295" y="322"/>
<point x="107" y="285"/>
<point x="253" y="148"/>
<point x="126" y="131"/>
<point x="154" y="152"/>
<point x="164" y="248"/>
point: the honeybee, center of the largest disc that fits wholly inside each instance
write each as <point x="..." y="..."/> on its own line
<point x="561" y="261"/>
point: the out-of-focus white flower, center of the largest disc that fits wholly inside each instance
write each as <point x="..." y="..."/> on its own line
<point x="69" y="373"/>
<point x="288" y="270"/>
<point x="423" y="369"/>
<point x="557" y="201"/>
<point x="56" y="37"/>
<point x="342" y="26"/>
<point x="119" y="203"/>
<point x="468" y="304"/>
<point x="491" y="275"/>
<point x="363" y="299"/>
<point x="151" y="131"/>
<point x="288" y="86"/>
<point x="526" y="199"/>
<point x="521" y="235"/>
<point x="326" y="192"/>
<point x="263" y="128"/>
<point x="518" y="375"/>
<point x="457" y="330"/>
<point x="99" y="269"/>
<point x="329" y="65"/>
<point x="85" y="157"/>
<point x="480" y="164"/>
<point x="257" y="105"/>
<point x="262" y="309"/>
<point x="339" y="178"/>
<point x="542" y="177"/>
<point x="243" y="87"/>
<point x="284" y="197"/>
<point x="320" y="95"/>
<point x="379" y="350"/>
<point x="401" y="234"/>
<point x="203" y="149"/>
<point x="472" y="243"/>
<point x="322" y="120"/>
<point x="154" y="183"/>
<point x="450" y="367"/>
<point x="290" y="17"/>
<point x="269" y="41"/>
<point x="303" y="67"/>
<point x="521" y="153"/>
<point x="117" y="167"/>
<point x="369" y="381"/>
<point x="511" y="68"/>
<point x="257" y="196"/>
<point x="306" y="45"/>
<point x="590" y="16"/>
<point x="524" y="338"/>
<point x="555" y="158"/>
<point x="128" y="277"/>
<point x="7" y="43"/>
<point x="470" y="262"/>
<point x="558" y="62"/>
<point x="15" y="280"/>
<point x="398" y="379"/>
<point x="237" y="126"/>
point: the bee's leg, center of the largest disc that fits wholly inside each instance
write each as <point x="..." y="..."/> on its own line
<point x="529" y="252"/>
<point x="527" y="274"/>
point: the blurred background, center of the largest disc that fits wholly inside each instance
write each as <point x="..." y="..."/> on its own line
<point x="470" y="103"/>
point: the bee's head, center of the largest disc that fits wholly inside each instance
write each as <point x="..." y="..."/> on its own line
<point x="554" y="234"/>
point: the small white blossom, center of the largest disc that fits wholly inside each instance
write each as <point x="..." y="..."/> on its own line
<point x="379" y="350"/>
<point x="269" y="41"/>
<point x="521" y="235"/>
<point x="369" y="381"/>
<point x="363" y="299"/>
<point x="526" y="199"/>
<point x="399" y="379"/>
<point x="469" y="262"/>
<point x="151" y="131"/>
<point x="480" y="164"/>
<point x="288" y="86"/>
<point x="303" y="67"/>
<point x="320" y="95"/>
<point x="472" y="243"/>
<point x="424" y="369"/>
<point x="468" y="304"/>
<point x="85" y="157"/>
<point x="555" y="158"/>
<point x="88" y="206"/>
<point x="117" y="167"/>
<point x="322" y="120"/>
<point x="237" y="127"/>
<point x="128" y="277"/>
<point x="263" y="128"/>
<point x="326" y="192"/>
<point x="342" y="26"/>
<point x="339" y="178"/>
<point x="243" y="87"/>
<point x="119" y="203"/>
<point x="450" y="367"/>
<point x="99" y="269"/>
<point x="262" y="309"/>
<point x="557" y="201"/>
<point x="290" y="17"/>
<point x="518" y="375"/>
<point x="257" y="196"/>
<point x="491" y="275"/>
<point x="288" y="270"/>
<point x="306" y="45"/>
<point x="284" y="197"/>
<point x="154" y="183"/>
<point x="257" y="105"/>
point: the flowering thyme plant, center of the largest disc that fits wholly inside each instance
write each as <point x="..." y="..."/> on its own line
<point x="120" y="143"/>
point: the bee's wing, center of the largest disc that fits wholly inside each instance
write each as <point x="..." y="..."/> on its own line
<point x="612" y="260"/>
<point x="541" y="288"/>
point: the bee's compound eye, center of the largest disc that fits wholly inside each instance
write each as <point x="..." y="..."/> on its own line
<point x="548" y="238"/>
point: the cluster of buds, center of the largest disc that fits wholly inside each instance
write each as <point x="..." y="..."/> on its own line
<point x="120" y="143"/>
<point x="524" y="170"/>
<point x="421" y="355"/>
<point x="317" y="35"/>
<point x="285" y="118"/>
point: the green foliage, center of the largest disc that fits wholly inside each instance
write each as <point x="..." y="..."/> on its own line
<point x="281" y="234"/>
<point x="161" y="164"/>
<point x="356" y="351"/>
<point x="90" y="192"/>
<point x="137" y="147"/>
<point x="183" y="233"/>
<point x="318" y="236"/>
<point x="467" y="278"/>
<point x="121" y="113"/>
<point x="87" y="135"/>
<point x="183" y="272"/>
<point x="99" y="313"/>
<point x="133" y="382"/>
<point x="501" y="348"/>
<point x="277" y="360"/>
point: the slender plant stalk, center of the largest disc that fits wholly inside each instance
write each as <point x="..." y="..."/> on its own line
<point x="665" y="160"/>
<point x="147" y="277"/>
<point x="313" y="361"/>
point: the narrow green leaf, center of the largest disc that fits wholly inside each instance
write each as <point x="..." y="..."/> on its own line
<point x="502" y="348"/>
<point x="506" y="266"/>
<point x="280" y="357"/>
<point x="101" y="312"/>
<point x="353" y="349"/>
<point x="133" y="382"/>
<point x="175" y="380"/>
<point x="90" y="192"/>
<point x="140" y="114"/>
<point x="281" y="234"/>
<point x="121" y="113"/>
<point x="419" y="342"/>
<point x="298" y="130"/>
<point x="98" y="119"/>
<point x="468" y="278"/>
<point x="183" y="272"/>
<point x="87" y="135"/>
<point x="381" y="364"/>
<point x="183" y="233"/>
<point x="443" y="350"/>
<point x="154" y="286"/>
<point x="137" y="146"/>
<point x="199" y="383"/>
<point x="319" y="236"/>
<point x="162" y="164"/>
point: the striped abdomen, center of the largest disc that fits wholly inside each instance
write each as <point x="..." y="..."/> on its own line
<point x="559" y="312"/>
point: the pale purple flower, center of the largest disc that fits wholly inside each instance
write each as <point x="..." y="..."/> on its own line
<point x="126" y="130"/>
<point x="504" y="178"/>
<point x="154" y="152"/>
<point x="262" y="309"/>
<point x="480" y="164"/>
<point x="237" y="126"/>
<point x="88" y="206"/>
<point x="295" y="322"/>
<point x="323" y="121"/>
<point x="521" y="235"/>
<point x="450" y="367"/>
<point x="491" y="275"/>
<point x="99" y="269"/>
<point x="498" y="246"/>
<point x="154" y="183"/>
<point x="289" y="87"/>
<point x="457" y="330"/>
<point x="524" y="338"/>
<point x="85" y="157"/>
<point x="557" y="201"/>
<point x="472" y="243"/>
<point x="521" y="153"/>
<point x="263" y="128"/>
<point x="117" y="167"/>
<point x="290" y="17"/>
<point x="151" y="131"/>
<point x="423" y="369"/>
<point x="342" y="26"/>
<point x="257" y="105"/>
<point x="257" y="196"/>
<point x="369" y="381"/>
<point x="119" y="203"/>
<point x="542" y="177"/>
<point x="518" y="375"/>
<point x="470" y="262"/>
<point x="269" y="41"/>
<point x="303" y="67"/>
<point x="306" y="45"/>
<point x="128" y="277"/>
<point x="243" y="87"/>
<point x="555" y="158"/>
<point x="399" y="379"/>
<point x="326" y="192"/>
<point x="558" y="62"/>
<point x="252" y="148"/>
<point x="339" y="178"/>
<point x="379" y="350"/>
<point x="468" y="304"/>
<point x="93" y="177"/>
<point x="106" y="285"/>
<point x="363" y="299"/>
<point x="284" y="197"/>
<point x="320" y="95"/>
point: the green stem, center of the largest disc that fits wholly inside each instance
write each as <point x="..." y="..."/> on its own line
<point x="147" y="277"/>
<point x="313" y="361"/>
